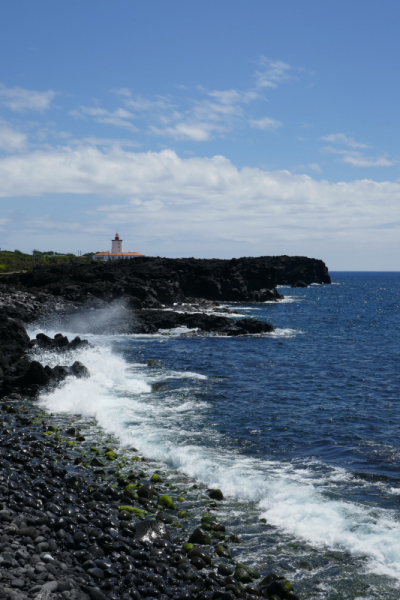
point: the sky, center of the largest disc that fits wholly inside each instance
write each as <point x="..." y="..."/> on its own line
<point x="208" y="129"/>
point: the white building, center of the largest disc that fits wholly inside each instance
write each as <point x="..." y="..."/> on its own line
<point x="116" y="252"/>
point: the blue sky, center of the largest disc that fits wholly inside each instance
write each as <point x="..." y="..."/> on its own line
<point x="202" y="129"/>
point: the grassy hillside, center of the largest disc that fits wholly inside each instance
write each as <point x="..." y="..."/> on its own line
<point x="18" y="261"/>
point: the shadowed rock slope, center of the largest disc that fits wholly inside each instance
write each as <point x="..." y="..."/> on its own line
<point x="150" y="282"/>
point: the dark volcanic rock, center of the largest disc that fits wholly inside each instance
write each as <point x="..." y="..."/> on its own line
<point x="60" y="342"/>
<point x="150" y="282"/>
<point x="150" y="321"/>
<point x="18" y="372"/>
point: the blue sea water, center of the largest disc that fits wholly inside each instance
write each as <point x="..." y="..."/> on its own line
<point x="300" y="427"/>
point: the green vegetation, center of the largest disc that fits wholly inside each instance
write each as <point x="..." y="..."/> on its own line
<point x="18" y="261"/>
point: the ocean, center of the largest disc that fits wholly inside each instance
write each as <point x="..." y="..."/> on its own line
<point x="300" y="428"/>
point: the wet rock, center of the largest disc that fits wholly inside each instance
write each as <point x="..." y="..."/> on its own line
<point x="197" y="552"/>
<point x="146" y="491"/>
<point x="166" y="501"/>
<point x="95" y="593"/>
<point x="215" y="494"/>
<point x="35" y="374"/>
<point x="199" y="536"/>
<point x="79" y="370"/>
<point x="242" y="575"/>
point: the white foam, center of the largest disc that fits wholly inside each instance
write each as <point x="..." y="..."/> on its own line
<point x="172" y="429"/>
<point x="284" y="332"/>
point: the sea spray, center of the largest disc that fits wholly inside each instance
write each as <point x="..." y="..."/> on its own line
<point x="291" y="499"/>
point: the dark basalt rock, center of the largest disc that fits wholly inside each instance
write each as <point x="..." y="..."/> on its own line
<point x="215" y="494"/>
<point x="18" y="372"/>
<point x="299" y="284"/>
<point x="149" y="282"/>
<point x="60" y="342"/>
<point x="199" y="536"/>
<point x="150" y="321"/>
<point x="79" y="370"/>
<point x="61" y="531"/>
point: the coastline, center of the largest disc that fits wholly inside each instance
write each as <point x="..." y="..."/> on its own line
<point x="62" y="491"/>
<point x="61" y="498"/>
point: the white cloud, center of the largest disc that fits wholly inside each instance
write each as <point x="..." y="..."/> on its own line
<point x="166" y="193"/>
<point x="197" y="132"/>
<point x="341" y="138"/>
<point x="10" y="139"/>
<point x="273" y="72"/>
<point x="203" y="120"/>
<point x="216" y="113"/>
<point x="315" y="167"/>
<point x="119" y="117"/>
<point x="19" y="99"/>
<point x="266" y="123"/>
<point x="359" y="159"/>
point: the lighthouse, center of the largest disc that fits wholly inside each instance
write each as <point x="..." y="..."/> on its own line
<point x="116" y="245"/>
<point x="116" y="251"/>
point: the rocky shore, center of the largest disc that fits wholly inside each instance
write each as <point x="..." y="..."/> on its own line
<point x="81" y="519"/>
<point x="146" y="286"/>
<point x="78" y="519"/>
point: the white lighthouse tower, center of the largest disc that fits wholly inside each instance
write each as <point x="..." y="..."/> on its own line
<point x="116" y="245"/>
<point x="116" y="252"/>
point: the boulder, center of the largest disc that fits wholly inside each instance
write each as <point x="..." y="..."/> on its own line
<point x="79" y="370"/>
<point x="199" y="536"/>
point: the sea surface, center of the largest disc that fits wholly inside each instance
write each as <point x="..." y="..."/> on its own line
<point x="299" y="428"/>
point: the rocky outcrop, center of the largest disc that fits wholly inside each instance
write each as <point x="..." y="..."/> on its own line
<point x="150" y="282"/>
<point x="19" y="373"/>
<point x="291" y="269"/>
<point x="151" y="321"/>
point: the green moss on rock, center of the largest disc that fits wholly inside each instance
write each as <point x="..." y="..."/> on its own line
<point x="166" y="501"/>
<point x="111" y="455"/>
<point x="138" y="512"/>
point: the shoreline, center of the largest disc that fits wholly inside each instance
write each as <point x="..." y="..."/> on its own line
<point x="80" y="490"/>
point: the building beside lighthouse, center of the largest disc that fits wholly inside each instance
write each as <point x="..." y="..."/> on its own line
<point x="116" y="251"/>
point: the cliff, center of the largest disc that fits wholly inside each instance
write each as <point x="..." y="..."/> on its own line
<point x="150" y="282"/>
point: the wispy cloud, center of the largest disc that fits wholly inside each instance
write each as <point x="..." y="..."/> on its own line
<point x="272" y="73"/>
<point x="355" y="158"/>
<point x="10" y="139"/>
<point x="19" y="99"/>
<point x="266" y="124"/>
<point x="197" y="132"/>
<point x="352" y="154"/>
<point x="200" y="115"/>
<point x="341" y="138"/>
<point x="119" y="117"/>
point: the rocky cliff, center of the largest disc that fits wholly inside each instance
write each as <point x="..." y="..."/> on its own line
<point x="150" y="282"/>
